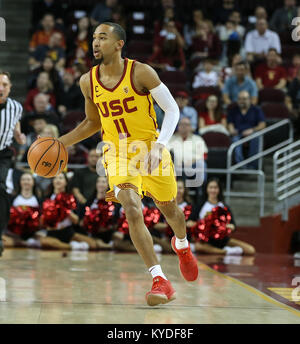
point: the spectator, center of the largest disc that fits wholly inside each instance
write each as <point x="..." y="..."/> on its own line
<point x="161" y="28"/>
<point x="53" y="49"/>
<point x="78" y="42"/>
<point x="61" y="235"/>
<point x="207" y="76"/>
<point x="84" y="180"/>
<point x="244" y="120"/>
<point x="292" y="71"/>
<point x="71" y="97"/>
<point x="190" y="151"/>
<point x="27" y="199"/>
<point x="190" y="30"/>
<point x="213" y="197"/>
<point x="102" y="12"/>
<point x="205" y="43"/>
<point x="48" y="67"/>
<point x="42" y="36"/>
<point x="43" y="85"/>
<point x="239" y="82"/>
<point x="42" y="7"/>
<point x="228" y="71"/>
<point x="182" y="100"/>
<point x="41" y="108"/>
<point x="118" y="16"/>
<point x="282" y="17"/>
<point x="212" y="119"/>
<point x="50" y="130"/>
<point x="294" y="92"/>
<point x="259" y="13"/>
<point x="259" y="41"/>
<point x="169" y="54"/>
<point x="231" y="26"/>
<point x="270" y="74"/>
<point x="77" y="154"/>
<point x="223" y="12"/>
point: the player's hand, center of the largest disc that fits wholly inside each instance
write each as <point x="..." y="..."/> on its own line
<point x="153" y="158"/>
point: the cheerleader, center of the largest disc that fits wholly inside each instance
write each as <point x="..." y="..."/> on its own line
<point x="24" y="215"/>
<point x="60" y="219"/>
<point x="213" y="197"/>
<point x="98" y="216"/>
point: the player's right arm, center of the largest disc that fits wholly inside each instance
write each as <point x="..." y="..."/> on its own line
<point x="91" y="124"/>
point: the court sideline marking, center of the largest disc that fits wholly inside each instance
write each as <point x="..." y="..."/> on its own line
<point x="252" y="290"/>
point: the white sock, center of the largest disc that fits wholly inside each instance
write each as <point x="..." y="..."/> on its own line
<point x="155" y="271"/>
<point x="181" y="243"/>
<point x="233" y="251"/>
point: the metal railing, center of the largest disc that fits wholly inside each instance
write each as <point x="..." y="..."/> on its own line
<point x="231" y="169"/>
<point x="286" y="163"/>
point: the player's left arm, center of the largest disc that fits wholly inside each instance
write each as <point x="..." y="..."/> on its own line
<point x="147" y="80"/>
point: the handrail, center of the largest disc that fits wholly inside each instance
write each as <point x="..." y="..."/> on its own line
<point x="261" y="153"/>
<point x="286" y="174"/>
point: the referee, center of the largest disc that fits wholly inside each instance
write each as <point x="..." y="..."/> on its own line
<point x="10" y="115"/>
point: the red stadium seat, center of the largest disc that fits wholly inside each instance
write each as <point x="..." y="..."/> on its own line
<point x="139" y="50"/>
<point x="215" y="139"/>
<point x="71" y="120"/>
<point x="200" y="105"/>
<point x="173" y="77"/>
<point x="275" y="110"/>
<point x="271" y="95"/>
<point x="204" y="92"/>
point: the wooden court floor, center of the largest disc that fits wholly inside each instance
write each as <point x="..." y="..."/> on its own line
<point x="45" y="287"/>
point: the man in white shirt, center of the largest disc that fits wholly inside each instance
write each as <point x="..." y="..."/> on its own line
<point x="259" y="41"/>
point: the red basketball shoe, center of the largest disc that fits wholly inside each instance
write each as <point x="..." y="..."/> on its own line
<point x="161" y="292"/>
<point x="187" y="262"/>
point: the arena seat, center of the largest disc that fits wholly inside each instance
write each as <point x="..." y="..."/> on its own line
<point x="200" y="105"/>
<point x="204" y="92"/>
<point x="71" y="120"/>
<point x="217" y="144"/>
<point x="274" y="110"/>
<point x="139" y="50"/>
<point x="173" y="77"/>
<point x="271" y="95"/>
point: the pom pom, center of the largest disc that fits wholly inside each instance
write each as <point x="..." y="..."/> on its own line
<point x="24" y="220"/>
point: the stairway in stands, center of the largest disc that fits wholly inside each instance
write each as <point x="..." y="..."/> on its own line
<point x="14" y="52"/>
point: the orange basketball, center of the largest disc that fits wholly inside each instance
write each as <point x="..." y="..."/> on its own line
<point x="47" y="157"/>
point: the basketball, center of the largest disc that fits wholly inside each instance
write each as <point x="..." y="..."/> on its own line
<point x="47" y="157"/>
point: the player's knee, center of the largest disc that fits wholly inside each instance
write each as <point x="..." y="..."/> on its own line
<point x="133" y="212"/>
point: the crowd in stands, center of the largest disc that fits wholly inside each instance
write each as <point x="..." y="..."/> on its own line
<point x="218" y="64"/>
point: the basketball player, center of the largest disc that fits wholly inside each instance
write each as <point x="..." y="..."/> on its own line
<point x="118" y="101"/>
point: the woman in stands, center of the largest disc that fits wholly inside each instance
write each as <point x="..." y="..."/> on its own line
<point x="25" y="215"/>
<point x="98" y="216"/>
<point x="212" y="118"/>
<point x="213" y="197"/>
<point x="60" y="219"/>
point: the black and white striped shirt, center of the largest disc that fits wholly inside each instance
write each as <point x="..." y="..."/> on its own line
<point x="10" y="114"/>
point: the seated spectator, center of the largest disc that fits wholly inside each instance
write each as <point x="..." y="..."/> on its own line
<point x="79" y="42"/>
<point x="239" y="82"/>
<point x="71" y="97"/>
<point x="205" y="42"/>
<point x="189" y="150"/>
<point x="53" y="49"/>
<point x="169" y="54"/>
<point x="41" y="108"/>
<point x="77" y="154"/>
<point x="231" y="26"/>
<point x="228" y="71"/>
<point x="84" y="179"/>
<point x="207" y="76"/>
<point x="282" y="17"/>
<point x="47" y="66"/>
<point x="223" y="11"/>
<point x="213" y="197"/>
<point x="212" y="119"/>
<point x="25" y="203"/>
<point x="42" y="36"/>
<point x="119" y="17"/>
<point x="44" y="86"/>
<point x="292" y="71"/>
<point x="258" y="42"/>
<point x="60" y="233"/>
<point x="294" y="93"/>
<point x="160" y="30"/>
<point x="102" y="12"/>
<point x="190" y="30"/>
<point x="270" y="74"/>
<point x="244" y="120"/>
<point x="259" y="13"/>
<point x="186" y="111"/>
<point x="50" y="130"/>
<point x="42" y="7"/>
<point x="103" y="231"/>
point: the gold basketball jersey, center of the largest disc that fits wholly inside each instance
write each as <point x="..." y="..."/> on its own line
<point x="124" y="111"/>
